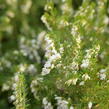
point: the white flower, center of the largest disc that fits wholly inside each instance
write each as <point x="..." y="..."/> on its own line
<point x="90" y="105"/>
<point x="55" y="57"/>
<point x="46" y="104"/>
<point x="16" y="78"/>
<point x="85" y="63"/>
<point x="14" y="86"/>
<point x="5" y="87"/>
<point x="74" y="66"/>
<point x="22" y="68"/>
<point x="63" y="23"/>
<point x="44" y="20"/>
<point x="74" y="30"/>
<point x="71" y="107"/>
<point x="45" y="71"/>
<point x="102" y="76"/>
<point x="81" y="83"/>
<point x="47" y="64"/>
<point x="48" y="7"/>
<point x="75" y="81"/>
<point x="12" y="98"/>
<point x="45" y="101"/>
<point x="61" y="104"/>
<point x="63" y="0"/>
<point x="71" y="81"/>
<point x="106" y="20"/>
<point x="66" y="8"/>
<point x="86" y="77"/>
<point x="31" y="69"/>
<point x="89" y="53"/>
<point x="102" y="70"/>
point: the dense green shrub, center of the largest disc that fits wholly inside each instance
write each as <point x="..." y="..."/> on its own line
<point x="54" y="54"/>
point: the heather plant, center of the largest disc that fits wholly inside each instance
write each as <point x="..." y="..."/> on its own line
<point x="54" y="54"/>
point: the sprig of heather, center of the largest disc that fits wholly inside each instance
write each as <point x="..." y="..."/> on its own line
<point x="20" y="91"/>
<point x="51" y="54"/>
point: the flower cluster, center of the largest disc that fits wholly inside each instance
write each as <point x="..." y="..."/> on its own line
<point x="29" y="48"/>
<point x="89" y="55"/>
<point x="51" y="54"/>
<point x="20" y="92"/>
<point x="46" y="104"/>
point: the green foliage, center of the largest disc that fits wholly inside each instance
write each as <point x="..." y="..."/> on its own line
<point x="61" y="47"/>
